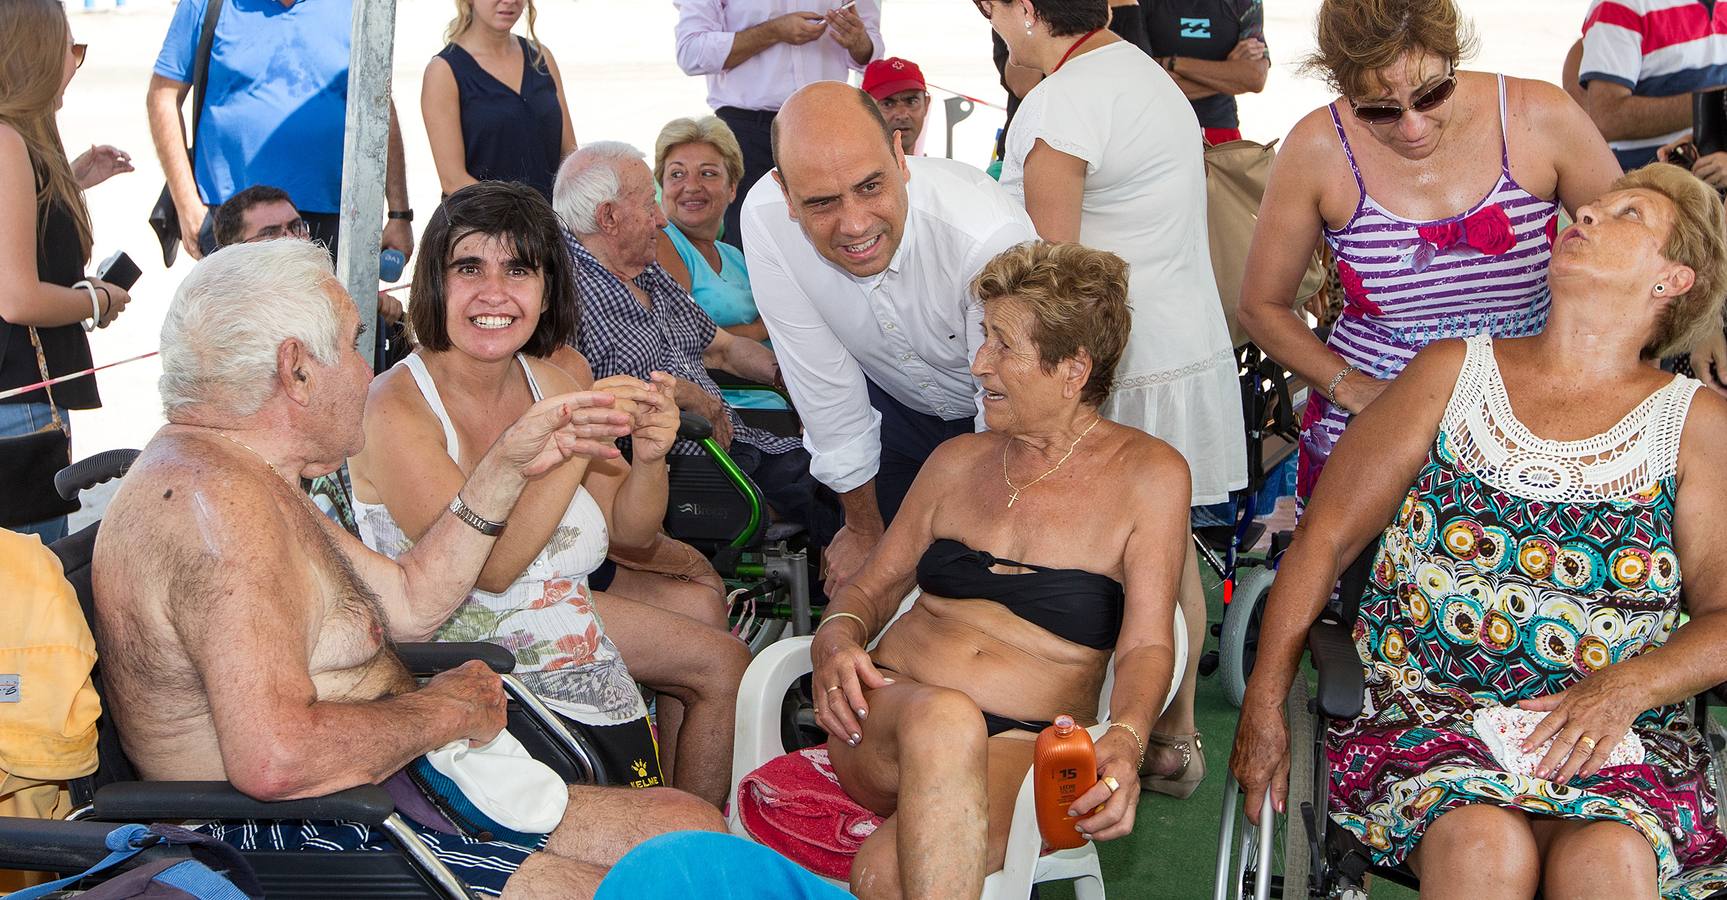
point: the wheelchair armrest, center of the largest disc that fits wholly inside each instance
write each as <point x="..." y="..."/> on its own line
<point x="56" y="845"/>
<point x="694" y="426"/>
<point x="431" y="657"/>
<point x="1341" y="680"/>
<point x="155" y="801"/>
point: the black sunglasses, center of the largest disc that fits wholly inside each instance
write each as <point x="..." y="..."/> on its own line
<point x="1384" y="113"/>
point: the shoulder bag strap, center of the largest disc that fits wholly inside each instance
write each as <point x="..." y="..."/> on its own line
<point x="201" y="70"/>
<point x="42" y="366"/>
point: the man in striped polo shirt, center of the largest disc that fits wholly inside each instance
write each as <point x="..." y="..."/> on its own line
<point x="1642" y="59"/>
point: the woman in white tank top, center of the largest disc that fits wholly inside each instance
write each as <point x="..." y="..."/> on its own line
<point x="493" y="300"/>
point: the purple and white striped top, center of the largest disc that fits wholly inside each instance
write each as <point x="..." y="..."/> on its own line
<point x="1407" y="284"/>
<point x="1413" y="291"/>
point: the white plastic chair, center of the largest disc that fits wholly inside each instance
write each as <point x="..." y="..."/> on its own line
<point x="757" y="742"/>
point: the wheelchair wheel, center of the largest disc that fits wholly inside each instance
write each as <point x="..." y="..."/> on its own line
<point x="1238" y="642"/>
<point x="1274" y="862"/>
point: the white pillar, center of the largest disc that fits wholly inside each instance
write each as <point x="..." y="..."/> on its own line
<point x="365" y="154"/>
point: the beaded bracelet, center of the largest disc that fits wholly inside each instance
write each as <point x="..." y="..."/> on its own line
<point x="1331" y="388"/>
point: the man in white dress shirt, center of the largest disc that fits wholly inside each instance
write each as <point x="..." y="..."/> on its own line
<point x="756" y="52"/>
<point x="861" y="265"/>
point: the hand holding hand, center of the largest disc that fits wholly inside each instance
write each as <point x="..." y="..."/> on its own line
<point x="799" y="28"/>
<point x="845" y="670"/>
<point x="1109" y="814"/>
<point x="1585" y="722"/>
<point x="581" y="423"/>
<point x="479" y="693"/>
<point x="656" y="425"/>
<point x="100" y="163"/>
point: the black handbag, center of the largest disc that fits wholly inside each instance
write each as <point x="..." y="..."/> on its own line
<point x="29" y="462"/>
<point x="164" y="217"/>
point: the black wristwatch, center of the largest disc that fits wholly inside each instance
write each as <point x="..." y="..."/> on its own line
<point x="406" y="215"/>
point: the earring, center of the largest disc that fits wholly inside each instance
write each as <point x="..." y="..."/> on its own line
<point x="1028" y="26"/>
<point x="1661" y="289"/>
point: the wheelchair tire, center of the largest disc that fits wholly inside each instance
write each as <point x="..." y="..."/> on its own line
<point x="1297" y="842"/>
<point x="1238" y="642"/>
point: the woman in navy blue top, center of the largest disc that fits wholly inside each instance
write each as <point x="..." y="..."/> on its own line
<point x="493" y="102"/>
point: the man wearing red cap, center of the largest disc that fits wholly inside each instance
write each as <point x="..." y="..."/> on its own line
<point x="900" y="91"/>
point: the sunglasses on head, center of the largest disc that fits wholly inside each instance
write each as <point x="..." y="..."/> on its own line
<point x="78" y="52"/>
<point x="1384" y="113"/>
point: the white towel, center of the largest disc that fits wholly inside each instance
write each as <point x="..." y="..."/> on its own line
<point x="518" y="791"/>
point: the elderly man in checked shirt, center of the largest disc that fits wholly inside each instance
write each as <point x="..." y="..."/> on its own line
<point x="636" y="320"/>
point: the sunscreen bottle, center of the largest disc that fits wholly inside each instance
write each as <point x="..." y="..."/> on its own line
<point x="1064" y="766"/>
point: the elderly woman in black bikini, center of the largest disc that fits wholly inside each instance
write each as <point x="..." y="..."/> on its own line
<point x="934" y="728"/>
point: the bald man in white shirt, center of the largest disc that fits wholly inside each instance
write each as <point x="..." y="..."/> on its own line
<point x="861" y="265"/>
<point x="756" y="52"/>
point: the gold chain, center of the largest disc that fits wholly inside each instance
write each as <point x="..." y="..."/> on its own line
<point x="1017" y="489"/>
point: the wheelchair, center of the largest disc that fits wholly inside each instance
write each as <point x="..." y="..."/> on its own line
<point x="1304" y="854"/>
<point x="715" y="507"/>
<point x="1272" y="401"/>
<point x="113" y="794"/>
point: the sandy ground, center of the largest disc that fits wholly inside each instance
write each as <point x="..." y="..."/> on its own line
<point x="623" y="84"/>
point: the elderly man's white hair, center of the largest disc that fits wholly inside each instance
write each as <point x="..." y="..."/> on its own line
<point x="589" y="178"/>
<point x="230" y="316"/>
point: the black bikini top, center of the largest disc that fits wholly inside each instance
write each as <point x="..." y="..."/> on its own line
<point x="1080" y="606"/>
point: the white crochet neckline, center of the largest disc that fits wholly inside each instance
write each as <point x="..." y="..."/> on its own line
<point x="1489" y="441"/>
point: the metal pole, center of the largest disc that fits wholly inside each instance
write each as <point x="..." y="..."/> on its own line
<point x="365" y="153"/>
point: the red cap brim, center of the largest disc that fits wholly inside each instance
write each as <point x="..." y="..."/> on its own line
<point x="890" y="88"/>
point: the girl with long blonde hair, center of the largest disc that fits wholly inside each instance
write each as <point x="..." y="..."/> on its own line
<point x="493" y="101"/>
<point x="45" y="235"/>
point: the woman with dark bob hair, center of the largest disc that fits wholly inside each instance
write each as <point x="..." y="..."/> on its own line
<point x="1538" y="505"/>
<point x="934" y="728"/>
<point x="493" y="299"/>
<point x="1437" y="190"/>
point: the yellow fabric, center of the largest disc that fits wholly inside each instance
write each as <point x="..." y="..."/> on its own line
<point x="49" y="734"/>
<point x="33" y="799"/>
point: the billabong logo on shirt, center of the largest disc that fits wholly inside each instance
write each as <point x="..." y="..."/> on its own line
<point x="1195" y="28"/>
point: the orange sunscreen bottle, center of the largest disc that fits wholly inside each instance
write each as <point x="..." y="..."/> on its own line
<point x="1064" y="766"/>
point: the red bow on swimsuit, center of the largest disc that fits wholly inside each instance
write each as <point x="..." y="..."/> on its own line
<point x="1487" y="230"/>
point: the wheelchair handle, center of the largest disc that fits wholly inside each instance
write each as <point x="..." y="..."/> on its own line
<point x="694" y="426"/>
<point x="87" y="473"/>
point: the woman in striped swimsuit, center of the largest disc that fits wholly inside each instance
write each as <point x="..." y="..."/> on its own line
<point x="1438" y="191"/>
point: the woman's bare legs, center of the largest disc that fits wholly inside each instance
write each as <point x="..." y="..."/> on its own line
<point x="948" y="790"/>
<point x="690" y="663"/>
<point x="1595" y="859"/>
<point x="1178" y="718"/>
<point x="1478" y="852"/>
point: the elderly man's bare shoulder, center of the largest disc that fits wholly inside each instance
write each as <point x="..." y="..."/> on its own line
<point x="187" y="498"/>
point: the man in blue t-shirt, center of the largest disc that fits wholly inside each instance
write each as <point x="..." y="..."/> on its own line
<point x="275" y="107"/>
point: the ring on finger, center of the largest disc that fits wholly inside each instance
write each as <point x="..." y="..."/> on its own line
<point x="833" y="688"/>
<point x="1110" y="782"/>
<point x="1586" y="742"/>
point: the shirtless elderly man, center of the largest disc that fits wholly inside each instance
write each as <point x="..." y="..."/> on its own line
<point x="247" y="638"/>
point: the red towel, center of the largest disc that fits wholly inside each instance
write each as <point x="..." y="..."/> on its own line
<point x="795" y="806"/>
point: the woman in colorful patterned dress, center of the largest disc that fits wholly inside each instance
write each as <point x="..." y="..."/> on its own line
<point x="1437" y="191"/>
<point x="1542" y="510"/>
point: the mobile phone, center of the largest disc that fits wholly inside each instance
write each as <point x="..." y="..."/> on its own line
<point x="119" y="270"/>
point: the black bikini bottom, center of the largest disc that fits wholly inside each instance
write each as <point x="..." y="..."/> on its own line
<point x="992" y="723"/>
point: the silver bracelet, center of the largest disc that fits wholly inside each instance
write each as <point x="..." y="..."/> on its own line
<point x="1331" y="388"/>
<point x="473" y="519"/>
<point x="95" y="320"/>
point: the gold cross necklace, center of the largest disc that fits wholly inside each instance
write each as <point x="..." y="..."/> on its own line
<point x="1016" y="489"/>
